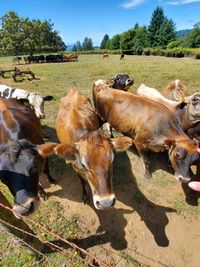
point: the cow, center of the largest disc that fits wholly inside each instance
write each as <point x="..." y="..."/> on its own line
<point x="22" y="154"/>
<point x="121" y="82"/>
<point x="70" y="58"/>
<point x="150" y="124"/>
<point x="187" y="112"/>
<point x="36" y="100"/>
<point x="77" y="127"/>
<point x="122" y="56"/>
<point x="105" y="55"/>
<point x="175" y="90"/>
<point x="16" y="60"/>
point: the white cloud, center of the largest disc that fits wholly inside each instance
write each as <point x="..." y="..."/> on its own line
<point x="182" y="2"/>
<point x="132" y="4"/>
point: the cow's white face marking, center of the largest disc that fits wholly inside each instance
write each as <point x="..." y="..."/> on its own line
<point x="99" y="82"/>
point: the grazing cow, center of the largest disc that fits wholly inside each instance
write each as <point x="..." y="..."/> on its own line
<point x="77" y="127"/>
<point x="22" y="154"/>
<point x="105" y="55"/>
<point x="16" y="60"/>
<point x="36" y="100"/>
<point x="151" y="125"/>
<point x="176" y="90"/>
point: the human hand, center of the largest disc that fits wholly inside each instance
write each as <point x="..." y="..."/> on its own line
<point x="194" y="185"/>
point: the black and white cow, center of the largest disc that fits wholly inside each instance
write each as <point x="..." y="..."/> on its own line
<point x="36" y="100"/>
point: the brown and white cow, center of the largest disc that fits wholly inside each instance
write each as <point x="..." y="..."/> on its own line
<point x="36" y="100"/>
<point x="151" y="124"/>
<point x="77" y="127"/>
<point x="187" y="112"/>
<point x="175" y="90"/>
<point x="22" y="154"/>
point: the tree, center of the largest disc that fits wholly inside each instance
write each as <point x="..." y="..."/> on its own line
<point x="127" y="40"/>
<point x="115" y="42"/>
<point x="140" y="40"/>
<point x="78" y="46"/>
<point x="193" y="38"/>
<point x="87" y="44"/>
<point x="161" y="30"/>
<point x="22" y="35"/>
<point x="74" y="48"/>
<point x="104" y="41"/>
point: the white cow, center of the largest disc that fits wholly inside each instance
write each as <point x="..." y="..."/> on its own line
<point x="36" y="100"/>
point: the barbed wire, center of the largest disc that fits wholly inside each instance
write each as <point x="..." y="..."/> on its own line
<point x="52" y="245"/>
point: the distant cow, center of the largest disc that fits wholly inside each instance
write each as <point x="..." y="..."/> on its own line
<point x="36" y="100"/>
<point x="77" y="127"/>
<point x="122" y="56"/>
<point x="151" y="125"/>
<point x="70" y="58"/>
<point x="22" y="154"/>
<point x="105" y="55"/>
<point x="16" y="60"/>
<point x="176" y="90"/>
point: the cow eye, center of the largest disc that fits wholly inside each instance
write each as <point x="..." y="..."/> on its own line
<point x="180" y="155"/>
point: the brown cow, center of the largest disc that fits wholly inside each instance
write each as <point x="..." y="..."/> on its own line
<point x="176" y="90"/>
<point x="105" y="55"/>
<point x="151" y="125"/>
<point x="77" y="128"/>
<point x="22" y="154"/>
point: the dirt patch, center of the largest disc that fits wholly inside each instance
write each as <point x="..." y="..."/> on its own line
<point x="150" y="225"/>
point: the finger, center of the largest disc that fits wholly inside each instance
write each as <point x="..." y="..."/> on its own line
<point x="194" y="185"/>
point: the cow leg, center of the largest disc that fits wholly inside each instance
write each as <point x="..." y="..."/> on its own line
<point x="144" y="155"/>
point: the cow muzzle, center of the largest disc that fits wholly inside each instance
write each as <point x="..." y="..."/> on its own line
<point x="26" y="208"/>
<point x="102" y="203"/>
<point x="182" y="179"/>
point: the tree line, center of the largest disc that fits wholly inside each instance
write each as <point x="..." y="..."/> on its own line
<point x="25" y="36"/>
<point x="161" y="33"/>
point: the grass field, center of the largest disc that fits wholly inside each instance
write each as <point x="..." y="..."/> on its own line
<point x="141" y="205"/>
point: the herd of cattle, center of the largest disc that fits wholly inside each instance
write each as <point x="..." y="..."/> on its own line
<point x="48" y="58"/>
<point x="148" y="120"/>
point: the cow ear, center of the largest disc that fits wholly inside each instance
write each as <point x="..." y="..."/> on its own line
<point x="168" y="143"/>
<point x="48" y="98"/>
<point x="64" y="150"/>
<point x="122" y="143"/>
<point x="46" y="150"/>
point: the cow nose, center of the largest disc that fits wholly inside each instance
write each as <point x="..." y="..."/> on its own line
<point x="42" y="117"/>
<point x="105" y="203"/>
<point x="26" y="208"/>
<point x="129" y="81"/>
<point x="183" y="179"/>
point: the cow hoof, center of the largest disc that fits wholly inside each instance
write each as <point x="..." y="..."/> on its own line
<point x="42" y="195"/>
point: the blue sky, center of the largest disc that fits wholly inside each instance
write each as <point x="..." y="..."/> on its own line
<point x="77" y="19"/>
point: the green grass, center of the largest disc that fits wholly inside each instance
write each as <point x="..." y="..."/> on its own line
<point x="56" y="79"/>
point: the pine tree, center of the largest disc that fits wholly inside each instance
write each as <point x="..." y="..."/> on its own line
<point x="104" y="41"/>
<point x="156" y="23"/>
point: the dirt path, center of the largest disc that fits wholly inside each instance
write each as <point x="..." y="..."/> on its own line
<point x="151" y="222"/>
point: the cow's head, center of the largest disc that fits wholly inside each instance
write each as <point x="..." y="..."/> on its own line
<point x="37" y="102"/>
<point x="122" y="82"/>
<point x="193" y="107"/>
<point x="182" y="153"/>
<point x="21" y="163"/>
<point x="94" y="161"/>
